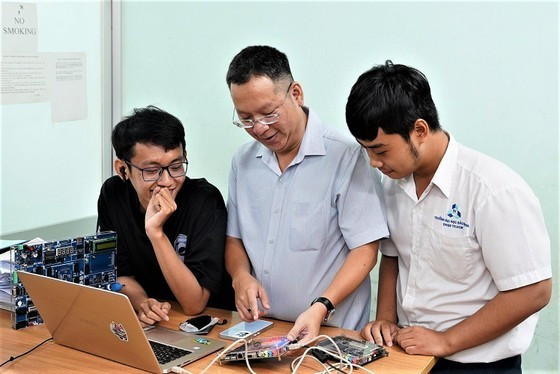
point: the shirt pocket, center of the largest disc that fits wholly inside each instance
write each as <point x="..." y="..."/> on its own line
<point x="452" y="257"/>
<point x="308" y="227"/>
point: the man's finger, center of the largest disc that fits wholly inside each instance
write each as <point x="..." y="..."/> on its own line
<point x="166" y="307"/>
<point x="166" y="194"/>
<point x="154" y="312"/>
<point x="250" y="303"/>
<point x="253" y="308"/>
<point x="294" y="333"/>
<point x="401" y="334"/>
<point x="243" y="313"/>
<point x="403" y="338"/>
<point x="156" y="191"/>
<point x="366" y="333"/>
<point x="144" y="318"/>
<point x="376" y="334"/>
<point x="264" y="298"/>
<point x="168" y="199"/>
<point x="387" y="336"/>
<point x="162" y="314"/>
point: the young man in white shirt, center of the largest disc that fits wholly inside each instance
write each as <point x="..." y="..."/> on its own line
<point x="467" y="266"/>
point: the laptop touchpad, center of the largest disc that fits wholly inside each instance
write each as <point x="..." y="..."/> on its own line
<point x="163" y="335"/>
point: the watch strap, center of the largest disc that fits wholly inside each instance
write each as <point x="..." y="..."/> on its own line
<point x="328" y="304"/>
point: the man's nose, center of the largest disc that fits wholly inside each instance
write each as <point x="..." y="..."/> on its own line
<point x="374" y="161"/>
<point x="165" y="179"/>
<point x="259" y="128"/>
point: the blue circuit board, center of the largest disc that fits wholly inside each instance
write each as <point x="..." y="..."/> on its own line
<point x="89" y="260"/>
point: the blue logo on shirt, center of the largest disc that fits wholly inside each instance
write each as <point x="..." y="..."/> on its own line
<point x="453" y="218"/>
<point x="180" y="246"/>
<point x="454" y="212"/>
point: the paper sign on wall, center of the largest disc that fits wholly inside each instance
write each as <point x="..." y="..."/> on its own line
<point x="27" y="76"/>
<point x="19" y="27"/>
<point x="24" y="78"/>
<point x="67" y="74"/>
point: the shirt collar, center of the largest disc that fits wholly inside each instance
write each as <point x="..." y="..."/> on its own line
<point x="444" y="173"/>
<point x="442" y="177"/>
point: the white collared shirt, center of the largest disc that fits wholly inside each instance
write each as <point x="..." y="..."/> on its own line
<point x="476" y="230"/>
<point x="299" y="226"/>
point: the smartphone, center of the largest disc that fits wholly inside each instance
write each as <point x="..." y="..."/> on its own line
<point x="245" y="330"/>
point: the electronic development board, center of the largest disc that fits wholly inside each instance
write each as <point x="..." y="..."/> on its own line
<point x="259" y="348"/>
<point x="88" y="260"/>
<point x="358" y="352"/>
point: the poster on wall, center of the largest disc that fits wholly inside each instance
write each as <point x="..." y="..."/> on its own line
<point x="67" y="73"/>
<point x="19" y="27"/>
<point x="23" y="78"/>
<point x="28" y="76"/>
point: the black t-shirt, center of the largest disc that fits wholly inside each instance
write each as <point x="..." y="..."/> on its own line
<point x="196" y="230"/>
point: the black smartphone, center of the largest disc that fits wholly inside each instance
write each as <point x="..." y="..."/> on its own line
<point x="200" y="325"/>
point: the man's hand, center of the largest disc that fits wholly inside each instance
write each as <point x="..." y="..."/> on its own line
<point x="247" y="291"/>
<point x="418" y="340"/>
<point x="152" y="311"/>
<point x="308" y="324"/>
<point x="160" y="207"/>
<point x="380" y="332"/>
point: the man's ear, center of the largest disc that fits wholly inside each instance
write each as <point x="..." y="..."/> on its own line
<point x="421" y="130"/>
<point x="120" y="168"/>
<point x="296" y="91"/>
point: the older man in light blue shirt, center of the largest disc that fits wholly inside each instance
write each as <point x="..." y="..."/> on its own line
<point x="304" y="207"/>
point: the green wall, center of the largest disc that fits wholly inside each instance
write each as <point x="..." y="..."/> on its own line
<point x="51" y="172"/>
<point x="493" y="68"/>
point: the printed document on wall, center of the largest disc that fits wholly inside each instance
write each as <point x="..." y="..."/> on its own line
<point x="67" y="72"/>
<point x="23" y="78"/>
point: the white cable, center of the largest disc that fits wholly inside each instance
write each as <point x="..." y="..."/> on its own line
<point x="325" y="367"/>
<point x="227" y="349"/>
<point x="178" y="369"/>
<point x="343" y="364"/>
<point x="302" y="357"/>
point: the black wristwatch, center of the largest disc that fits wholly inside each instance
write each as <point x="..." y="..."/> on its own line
<point x="327" y="303"/>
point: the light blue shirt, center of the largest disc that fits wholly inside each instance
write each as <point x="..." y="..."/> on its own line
<point x="299" y="226"/>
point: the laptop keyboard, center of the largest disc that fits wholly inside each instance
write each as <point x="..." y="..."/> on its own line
<point x="166" y="353"/>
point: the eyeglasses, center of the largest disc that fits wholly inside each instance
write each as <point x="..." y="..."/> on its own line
<point x="267" y="120"/>
<point x="153" y="173"/>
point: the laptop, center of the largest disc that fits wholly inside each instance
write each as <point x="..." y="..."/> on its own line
<point x="104" y="324"/>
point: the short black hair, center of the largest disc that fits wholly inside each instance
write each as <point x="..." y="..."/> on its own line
<point x="149" y="125"/>
<point x="390" y="97"/>
<point x="258" y="60"/>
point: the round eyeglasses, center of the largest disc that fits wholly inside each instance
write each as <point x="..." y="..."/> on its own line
<point x="153" y="173"/>
<point x="267" y="120"/>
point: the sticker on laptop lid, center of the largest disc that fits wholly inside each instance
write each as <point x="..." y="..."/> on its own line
<point x="119" y="331"/>
<point x="202" y="341"/>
